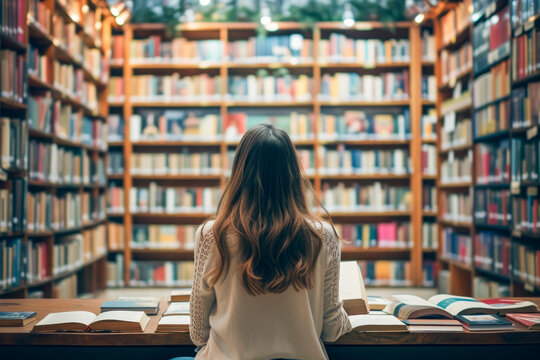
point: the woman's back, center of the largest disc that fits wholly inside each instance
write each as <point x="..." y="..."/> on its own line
<point x="290" y="325"/>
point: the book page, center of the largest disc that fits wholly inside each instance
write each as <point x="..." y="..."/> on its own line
<point x="130" y="316"/>
<point x="358" y="321"/>
<point x="178" y="308"/>
<point x="174" y="320"/>
<point x="80" y="317"/>
<point x="456" y="304"/>
<point x="412" y="300"/>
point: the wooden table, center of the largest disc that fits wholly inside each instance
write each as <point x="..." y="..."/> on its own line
<point x="19" y="343"/>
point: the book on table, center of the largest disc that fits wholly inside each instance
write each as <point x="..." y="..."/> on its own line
<point x="377" y="322"/>
<point x="448" y="306"/>
<point x="85" y="321"/>
<point x="149" y="305"/>
<point x="352" y="291"/>
<point x="530" y="320"/>
<point x="377" y="302"/>
<point x="485" y="322"/>
<point x="433" y="325"/>
<point x="173" y="323"/>
<point x="180" y="295"/>
<point x="177" y="308"/>
<point x="16" y="318"/>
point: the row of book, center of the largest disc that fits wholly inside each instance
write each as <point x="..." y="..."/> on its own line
<point x="293" y="48"/>
<point x="13" y="76"/>
<point x="185" y="162"/>
<point x="13" y="19"/>
<point x="351" y="86"/>
<point x="115" y="163"/>
<point x="525" y="111"/>
<point x="381" y="235"/>
<point x="37" y="260"/>
<point x="39" y="65"/>
<point x="73" y="251"/>
<point x="173" y="200"/>
<point x="70" y="81"/>
<point x="457" y="207"/>
<point x="66" y="37"/>
<point x="429" y="125"/>
<point x="376" y="197"/>
<point x="524" y="162"/>
<point x="457" y="168"/>
<point x="116" y="236"/>
<point x="58" y="212"/>
<point x="456" y="246"/>
<point x="430" y="235"/>
<point x="492" y="85"/>
<point x="485" y="288"/>
<point x="154" y="49"/>
<point x="492" y="162"/>
<point x="429" y="197"/>
<point x="268" y="88"/>
<point x="163" y="237"/>
<point x="430" y="271"/>
<point x="460" y="100"/>
<point x="339" y="48"/>
<point x="526" y="54"/>
<point x="492" y="252"/>
<point x="13" y="207"/>
<point x="428" y="46"/>
<point x="429" y="88"/>
<point x="456" y="133"/>
<point x="455" y="21"/>
<point x="526" y="264"/>
<point x="66" y="288"/>
<point x="12" y="269"/>
<point x="526" y="214"/>
<point x="161" y="273"/>
<point x="14" y="146"/>
<point x="492" y="207"/>
<point x="493" y="38"/>
<point x="386" y="272"/>
<point x="49" y="162"/>
<point x="492" y="119"/>
<point x="346" y="160"/>
<point x="523" y="10"/>
<point x="115" y="198"/>
<point x="456" y="62"/>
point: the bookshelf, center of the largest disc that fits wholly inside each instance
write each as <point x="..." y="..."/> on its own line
<point x="61" y="211"/>
<point x="305" y="70"/>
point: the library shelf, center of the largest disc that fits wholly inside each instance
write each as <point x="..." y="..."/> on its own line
<point x="6" y="103"/>
<point x="37" y="34"/>
<point x="62" y="10"/>
<point x="459" y="39"/>
<point x="12" y="289"/>
<point x="176" y="177"/>
<point x="429" y="250"/>
<point x="37" y="234"/>
<point x="459" y="264"/>
<point x="111" y="144"/>
<point x="495" y="136"/>
<point x="273" y="103"/>
<point x="455" y="185"/>
<point x="376" y="67"/>
<point x="115" y="214"/>
<point x="459" y="148"/>
<point x="366" y="142"/>
<point x="115" y="176"/>
<point x="360" y="253"/>
<point x="173" y="66"/>
<point x="381" y="103"/>
<point x="11" y="44"/>
<point x="526" y="235"/>
<point x="73" y="144"/>
<point x="497" y="227"/>
<point x="41" y="184"/>
<point x="366" y="215"/>
<point x="164" y="218"/>
<point x="460" y="108"/>
<point x="493" y="185"/>
<point x="430" y="177"/>
<point x="37" y="83"/>
<point x="115" y="103"/>
<point x="173" y="104"/>
<point x="492" y="102"/>
<point x="80" y="228"/>
<point x="491" y="273"/>
<point x="38" y="134"/>
<point x="12" y="234"/>
<point x="162" y="254"/>
<point x="429" y="141"/>
<point x="457" y="224"/>
<point x="429" y="213"/>
<point x="293" y="64"/>
<point x="364" y="176"/>
<point x="64" y="56"/>
<point x="524" y="80"/>
<point x="41" y="282"/>
<point x="65" y="274"/>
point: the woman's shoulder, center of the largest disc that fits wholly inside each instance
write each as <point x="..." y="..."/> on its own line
<point x="204" y="234"/>
<point x="329" y="234"/>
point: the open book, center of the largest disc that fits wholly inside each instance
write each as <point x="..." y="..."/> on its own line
<point x="448" y="306"/>
<point x="177" y="308"/>
<point x="377" y="323"/>
<point x="130" y="321"/>
<point x="351" y="289"/>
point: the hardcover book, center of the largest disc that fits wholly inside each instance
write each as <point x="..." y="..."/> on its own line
<point x="16" y="318"/>
<point x="351" y="289"/>
<point x="85" y="321"/>
<point x="149" y="306"/>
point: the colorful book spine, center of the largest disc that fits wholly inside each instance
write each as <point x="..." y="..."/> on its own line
<point x="115" y="163"/>
<point x="164" y="237"/>
<point x="189" y="161"/>
<point x="484" y="288"/>
<point x="12" y="273"/>
<point x="386" y="273"/>
<point x="429" y="88"/>
<point x="66" y="288"/>
<point x="68" y="254"/>
<point x="39" y="15"/>
<point x="65" y="35"/>
<point x="14" y="145"/>
<point x="428" y="46"/>
<point x="429" y="125"/>
<point x="13" y="19"/>
<point x="382" y="235"/>
<point x="116" y="89"/>
<point x="526" y="54"/>
<point x="339" y="48"/>
<point x="116" y="236"/>
<point x="524" y="162"/>
<point x="429" y="160"/>
<point x="117" y="50"/>
<point x="173" y="200"/>
<point x="457" y="246"/>
<point x="429" y="273"/>
<point x="291" y="48"/>
<point x="115" y="271"/>
<point x="492" y="119"/>
<point x="493" y="85"/>
<point x="376" y="197"/>
<point x="525" y="214"/>
<point x="115" y="127"/>
<point x="94" y="243"/>
<point x="455" y="63"/>
<point x="37" y="261"/>
<point x="492" y="252"/>
<point x="523" y="10"/>
<point x="456" y="133"/>
<point x="40" y="212"/>
<point x="13" y="205"/>
<point x="342" y="161"/>
<point x="457" y="207"/>
<point x="42" y="112"/>
<point x="356" y="87"/>
<point x="457" y="168"/>
<point x="429" y="235"/>
<point x="521" y="108"/>
<point x="492" y="162"/>
<point x="359" y="125"/>
<point x="526" y="265"/>
<point x="39" y="65"/>
<point x="269" y="88"/>
<point x="175" y="88"/>
<point x="491" y="40"/>
<point x="429" y="197"/>
<point x="115" y="198"/>
<point x="161" y="273"/>
<point x="492" y="207"/>
<point x="455" y="21"/>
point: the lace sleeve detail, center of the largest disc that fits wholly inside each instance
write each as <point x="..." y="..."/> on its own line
<point x="335" y="320"/>
<point x="202" y="296"/>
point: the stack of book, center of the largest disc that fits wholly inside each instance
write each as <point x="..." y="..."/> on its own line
<point x="116" y="236"/>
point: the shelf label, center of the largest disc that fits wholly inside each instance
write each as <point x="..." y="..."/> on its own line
<point x="532" y="191"/>
<point x="515" y="187"/>
<point x="532" y="132"/>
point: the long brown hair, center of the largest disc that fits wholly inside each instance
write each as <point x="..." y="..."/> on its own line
<point x="264" y="204"/>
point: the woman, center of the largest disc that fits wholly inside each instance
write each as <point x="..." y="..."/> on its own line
<point x="266" y="270"/>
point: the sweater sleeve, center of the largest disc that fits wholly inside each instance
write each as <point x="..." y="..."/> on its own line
<point x="202" y="296"/>
<point x="335" y="319"/>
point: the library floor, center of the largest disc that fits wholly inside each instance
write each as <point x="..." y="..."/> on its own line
<point x="164" y="292"/>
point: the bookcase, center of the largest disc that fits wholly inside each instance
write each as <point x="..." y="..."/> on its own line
<point x="218" y="79"/>
<point x="487" y="131"/>
<point x="54" y="148"/>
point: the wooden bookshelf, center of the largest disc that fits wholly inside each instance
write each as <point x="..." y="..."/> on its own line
<point x="91" y="273"/>
<point x="316" y="68"/>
